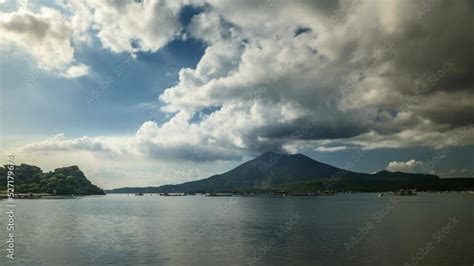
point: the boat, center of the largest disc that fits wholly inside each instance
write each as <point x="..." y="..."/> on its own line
<point x="138" y="194"/>
<point x="380" y="195"/>
<point x="177" y="194"/>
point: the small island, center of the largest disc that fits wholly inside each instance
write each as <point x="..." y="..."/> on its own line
<point x="31" y="180"/>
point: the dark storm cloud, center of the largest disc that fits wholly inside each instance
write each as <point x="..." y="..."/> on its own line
<point x="434" y="61"/>
<point x="323" y="6"/>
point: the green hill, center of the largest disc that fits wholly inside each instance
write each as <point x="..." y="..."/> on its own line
<point x="62" y="181"/>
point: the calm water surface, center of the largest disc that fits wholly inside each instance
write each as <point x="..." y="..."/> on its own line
<point x="350" y="229"/>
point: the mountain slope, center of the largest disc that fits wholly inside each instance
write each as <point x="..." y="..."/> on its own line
<point x="273" y="171"/>
<point x="268" y="171"/>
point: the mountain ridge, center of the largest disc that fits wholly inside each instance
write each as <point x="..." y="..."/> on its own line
<point x="297" y="172"/>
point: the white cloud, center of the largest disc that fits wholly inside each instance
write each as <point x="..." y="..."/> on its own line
<point x="263" y="70"/>
<point x="58" y="142"/>
<point x="353" y="68"/>
<point x="408" y="166"/>
<point x="76" y="71"/>
<point x="44" y="35"/>
<point x="167" y="143"/>
<point x="142" y="26"/>
<point x="150" y="157"/>
<point x="331" y="149"/>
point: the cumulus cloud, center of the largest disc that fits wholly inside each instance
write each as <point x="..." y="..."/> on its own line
<point x="58" y="142"/>
<point x="142" y="25"/>
<point x="48" y="34"/>
<point x="44" y="35"/>
<point x="149" y="142"/>
<point x="373" y="74"/>
<point x="77" y="71"/>
<point x="273" y="78"/>
<point x="408" y="166"/>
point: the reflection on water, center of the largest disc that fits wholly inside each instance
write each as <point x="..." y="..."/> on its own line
<point x="195" y="230"/>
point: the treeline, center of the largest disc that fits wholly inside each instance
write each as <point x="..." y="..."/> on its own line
<point x="62" y="181"/>
<point x="361" y="185"/>
<point x="377" y="183"/>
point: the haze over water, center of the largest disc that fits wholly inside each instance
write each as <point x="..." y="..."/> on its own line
<point x="156" y="230"/>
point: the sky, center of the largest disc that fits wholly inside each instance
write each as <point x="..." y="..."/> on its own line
<point x="147" y="93"/>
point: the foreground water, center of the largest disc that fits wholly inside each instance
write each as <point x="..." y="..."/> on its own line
<point x="350" y="229"/>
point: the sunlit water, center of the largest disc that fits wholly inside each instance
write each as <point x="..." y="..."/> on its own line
<point x="350" y="229"/>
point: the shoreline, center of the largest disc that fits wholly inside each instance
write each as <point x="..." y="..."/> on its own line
<point x="291" y="194"/>
<point x="42" y="196"/>
<point x="33" y="196"/>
